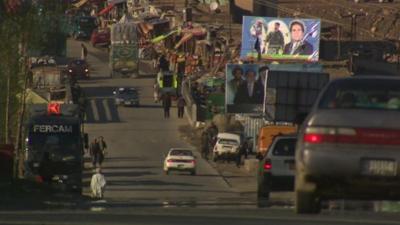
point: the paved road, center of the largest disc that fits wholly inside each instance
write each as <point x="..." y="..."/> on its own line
<point x="138" y="139"/>
<point x="192" y="216"/>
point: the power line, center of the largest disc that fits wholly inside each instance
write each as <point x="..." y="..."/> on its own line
<point x="292" y="11"/>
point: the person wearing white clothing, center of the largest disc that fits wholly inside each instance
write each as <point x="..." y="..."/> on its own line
<point x="98" y="184"/>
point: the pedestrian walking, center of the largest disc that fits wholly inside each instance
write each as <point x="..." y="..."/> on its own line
<point x="163" y="63"/>
<point x="166" y="105"/>
<point x="103" y="147"/>
<point x="96" y="153"/>
<point x="98" y="184"/>
<point x="181" y="106"/>
<point x="204" y="145"/>
<point x="242" y="151"/>
<point x="84" y="51"/>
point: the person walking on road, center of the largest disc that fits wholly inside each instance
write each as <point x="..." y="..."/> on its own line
<point x="98" y="184"/>
<point x="242" y="151"/>
<point x="103" y="147"/>
<point x="204" y="145"/>
<point x="181" y="106"/>
<point x="96" y="153"/>
<point x="84" y="51"/>
<point x="166" y="105"/>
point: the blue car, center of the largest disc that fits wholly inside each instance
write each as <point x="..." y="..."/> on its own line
<point x="126" y="97"/>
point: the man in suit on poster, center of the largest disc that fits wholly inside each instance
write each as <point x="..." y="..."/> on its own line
<point x="298" y="45"/>
<point x="250" y="91"/>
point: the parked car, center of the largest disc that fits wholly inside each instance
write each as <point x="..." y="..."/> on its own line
<point x="78" y="69"/>
<point x="276" y="169"/>
<point x="180" y="159"/>
<point x="126" y="96"/>
<point x="100" y="37"/>
<point x="227" y="146"/>
<point x="348" y="146"/>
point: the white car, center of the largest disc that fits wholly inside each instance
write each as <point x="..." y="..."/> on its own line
<point x="276" y="169"/>
<point x="180" y="159"/>
<point x="227" y="146"/>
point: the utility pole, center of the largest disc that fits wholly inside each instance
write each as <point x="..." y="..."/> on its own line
<point x="353" y="17"/>
<point x="339" y="40"/>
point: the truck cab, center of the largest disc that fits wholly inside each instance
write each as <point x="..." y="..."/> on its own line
<point x="82" y="26"/>
<point x="54" y="145"/>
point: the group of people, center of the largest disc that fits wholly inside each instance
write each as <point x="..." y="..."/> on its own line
<point x="208" y="140"/>
<point x="97" y="152"/>
<point x="245" y="86"/>
<point x="167" y="103"/>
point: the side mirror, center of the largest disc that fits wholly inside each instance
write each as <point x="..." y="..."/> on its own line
<point x="86" y="140"/>
<point x="114" y="92"/>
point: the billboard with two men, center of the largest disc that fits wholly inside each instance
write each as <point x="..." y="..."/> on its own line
<point x="280" y="39"/>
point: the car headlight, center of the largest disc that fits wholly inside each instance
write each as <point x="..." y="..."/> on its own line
<point x="86" y="70"/>
<point x="70" y="70"/>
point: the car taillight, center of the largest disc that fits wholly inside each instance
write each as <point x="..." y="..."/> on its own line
<point x="193" y="161"/>
<point x="319" y="135"/>
<point x="267" y="165"/>
<point x="170" y="160"/>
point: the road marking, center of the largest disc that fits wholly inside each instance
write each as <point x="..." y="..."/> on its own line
<point x="107" y="109"/>
<point x="95" y="110"/>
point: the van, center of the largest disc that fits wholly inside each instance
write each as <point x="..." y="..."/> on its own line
<point x="267" y="135"/>
<point x="227" y="146"/>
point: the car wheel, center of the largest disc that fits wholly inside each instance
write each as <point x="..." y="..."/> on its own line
<point x="193" y="173"/>
<point x="166" y="172"/>
<point x="307" y="203"/>
<point x="215" y="157"/>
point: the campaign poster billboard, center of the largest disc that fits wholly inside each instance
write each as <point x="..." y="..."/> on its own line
<point x="244" y="91"/>
<point x="280" y="39"/>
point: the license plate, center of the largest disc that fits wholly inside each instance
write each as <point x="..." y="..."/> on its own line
<point x="181" y="166"/>
<point x="379" y="167"/>
<point x="127" y="103"/>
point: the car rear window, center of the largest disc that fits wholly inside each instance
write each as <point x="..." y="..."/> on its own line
<point x="227" y="142"/>
<point x="378" y="94"/>
<point x="181" y="153"/>
<point x="128" y="92"/>
<point x="285" y="147"/>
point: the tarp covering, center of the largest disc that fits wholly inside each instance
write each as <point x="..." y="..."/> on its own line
<point x="114" y="2"/>
<point x="105" y="10"/>
<point x="34" y="98"/>
<point x="80" y="3"/>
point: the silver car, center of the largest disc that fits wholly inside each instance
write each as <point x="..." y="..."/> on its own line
<point x="349" y="145"/>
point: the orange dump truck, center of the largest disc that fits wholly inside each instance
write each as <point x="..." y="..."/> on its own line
<point x="267" y="134"/>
